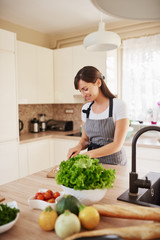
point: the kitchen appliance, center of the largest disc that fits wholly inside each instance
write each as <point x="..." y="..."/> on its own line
<point x="42" y="122"/>
<point x="57" y="125"/>
<point x="34" y="125"/>
<point x="20" y="125"/>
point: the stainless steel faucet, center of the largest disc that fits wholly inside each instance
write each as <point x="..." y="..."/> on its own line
<point x="134" y="182"/>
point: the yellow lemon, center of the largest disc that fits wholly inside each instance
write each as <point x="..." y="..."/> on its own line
<point x="89" y="217"/>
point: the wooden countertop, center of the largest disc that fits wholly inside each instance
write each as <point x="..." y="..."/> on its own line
<point x="149" y="142"/>
<point x="27" y="225"/>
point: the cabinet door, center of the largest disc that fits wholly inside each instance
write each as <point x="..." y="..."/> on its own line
<point x="23" y="160"/>
<point x="63" y="75"/>
<point x="38" y="156"/>
<point x="45" y="75"/>
<point x="9" y="162"/>
<point x="82" y="57"/>
<point x="27" y="73"/>
<point x="61" y="147"/>
<point x="8" y="102"/>
<point x="7" y="40"/>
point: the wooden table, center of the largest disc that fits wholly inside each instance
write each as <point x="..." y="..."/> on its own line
<point x="27" y="227"/>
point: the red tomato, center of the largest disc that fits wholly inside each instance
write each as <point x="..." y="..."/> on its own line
<point x="52" y="200"/>
<point x="40" y="196"/>
<point x="56" y="194"/>
<point x="47" y="195"/>
<point x="51" y="192"/>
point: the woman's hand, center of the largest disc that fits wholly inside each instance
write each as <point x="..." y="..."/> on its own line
<point x="72" y="152"/>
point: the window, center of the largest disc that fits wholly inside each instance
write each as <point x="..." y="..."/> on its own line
<point x="141" y="77"/>
<point x="111" y="71"/>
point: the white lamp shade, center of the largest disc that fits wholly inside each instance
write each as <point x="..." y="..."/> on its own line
<point x="145" y="10"/>
<point x="102" y="40"/>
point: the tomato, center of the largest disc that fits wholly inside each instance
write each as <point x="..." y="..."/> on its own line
<point x="51" y="200"/>
<point x="40" y="196"/>
<point x="56" y="194"/>
<point x="50" y="191"/>
<point x="47" y="219"/>
<point x="47" y="195"/>
<point x="89" y="217"/>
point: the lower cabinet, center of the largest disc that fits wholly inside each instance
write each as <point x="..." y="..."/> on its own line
<point x="9" y="169"/>
<point x="42" y="154"/>
<point x="34" y="157"/>
<point x="38" y="156"/>
<point x="60" y="149"/>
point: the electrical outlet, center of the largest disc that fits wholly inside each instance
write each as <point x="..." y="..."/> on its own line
<point x="69" y="110"/>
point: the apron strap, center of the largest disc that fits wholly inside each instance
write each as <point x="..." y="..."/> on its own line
<point x="87" y="111"/>
<point x="110" y="107"/>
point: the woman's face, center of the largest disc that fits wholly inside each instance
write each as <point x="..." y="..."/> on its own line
<point x="89" y="91"/>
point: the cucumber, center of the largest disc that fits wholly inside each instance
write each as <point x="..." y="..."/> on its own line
<point x="68" y="202"/>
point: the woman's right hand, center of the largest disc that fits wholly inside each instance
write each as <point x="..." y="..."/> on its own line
<point x="72" y="152"/>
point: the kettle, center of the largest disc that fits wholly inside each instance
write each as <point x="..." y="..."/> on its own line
<point x="34" y="125"/>
<point x="20" y="125"/>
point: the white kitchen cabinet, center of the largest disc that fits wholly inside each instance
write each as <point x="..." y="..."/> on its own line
<point x="8" y="100"/>
<point x="27" y="73"/>
<point x="38" y="155"/>
<point x="8" y="108"/>
<point x="60" y="149"/>
<point x="23" y="160"/>
<point x="45" y="75"/>
<point x="35" y="74"/>
<point x="82" y="57"/>
<point x="67" y="62"/>
<point x="9" y="170"/>
<point x="63" y="75"/>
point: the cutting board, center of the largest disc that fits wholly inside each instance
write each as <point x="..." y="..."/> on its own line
<point x="2" y="198"/>
<point x="53" y="172"/>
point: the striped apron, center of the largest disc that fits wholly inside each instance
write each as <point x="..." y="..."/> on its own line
<point x="101" y="132"/>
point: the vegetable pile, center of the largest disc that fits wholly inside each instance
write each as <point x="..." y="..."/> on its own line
<point x="84" y="173"/>
<point x="7" y="214"/>
<point x="48" y="196"/>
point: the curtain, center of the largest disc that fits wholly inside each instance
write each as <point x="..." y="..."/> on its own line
<point x="141" y="77"/>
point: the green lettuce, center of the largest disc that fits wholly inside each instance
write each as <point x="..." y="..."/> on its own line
<point x="84" y="173"/>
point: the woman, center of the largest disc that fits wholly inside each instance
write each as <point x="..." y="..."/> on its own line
<point x="104" y="119"/>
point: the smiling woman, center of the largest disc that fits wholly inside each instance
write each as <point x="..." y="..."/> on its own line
<point x="104" y="119"/>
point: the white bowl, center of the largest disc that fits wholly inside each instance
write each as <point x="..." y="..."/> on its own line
<point x="86" y="197"/>
<point x="9" y="225"/>
<point x="40" y="204"/>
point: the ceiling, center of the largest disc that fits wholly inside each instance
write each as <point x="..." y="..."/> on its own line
<point x="53" y="16"/>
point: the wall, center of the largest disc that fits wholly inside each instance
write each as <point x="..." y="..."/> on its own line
<point x="52" y="111"/>
<point x="125" y="28"/>
<point x="26" y="34"/>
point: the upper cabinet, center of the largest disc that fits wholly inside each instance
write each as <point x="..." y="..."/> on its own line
<point x="35" y="74"/>
<point x="8" y="87"/>
<point x="67" y="62"/>
<point x="63" y="75"/>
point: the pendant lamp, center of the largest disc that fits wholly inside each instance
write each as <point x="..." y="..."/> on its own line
<point x="102" y="40"/>
<point x="143" y="10"/>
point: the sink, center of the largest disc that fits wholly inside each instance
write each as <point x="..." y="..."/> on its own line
<point x="78" y="134"/>
<point x="146" y="197"/>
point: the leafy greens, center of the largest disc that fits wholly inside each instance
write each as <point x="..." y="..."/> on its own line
<point x="82" y="172"/>
<point x="7" y="214"/>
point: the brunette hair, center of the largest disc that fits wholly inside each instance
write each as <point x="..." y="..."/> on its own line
<point x="90" y="74"/>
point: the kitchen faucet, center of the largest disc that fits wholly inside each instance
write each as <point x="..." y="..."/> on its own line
<point x="134" y="182"/>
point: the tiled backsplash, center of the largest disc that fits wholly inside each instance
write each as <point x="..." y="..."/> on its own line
<point x="53" y="111"/>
